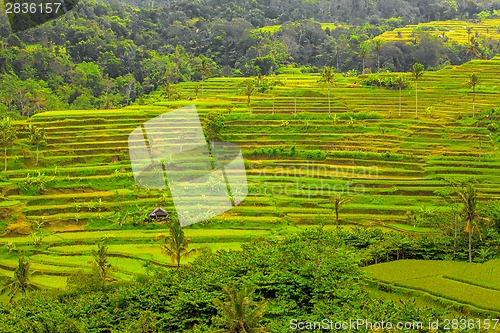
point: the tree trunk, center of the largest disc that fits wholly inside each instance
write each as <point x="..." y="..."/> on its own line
<point x="337" y="217"/>
<point x="416" y="99"/>
<point x="470" y="243"/>
<point x="400" y="101"/>
<point x="36" y="163"/>
<point x="5" y="158"/>
<point x="473" y="103"/>
<point x="202" y="84"/>
<point x="329" y="104"/>
<point x="455" y="237"/>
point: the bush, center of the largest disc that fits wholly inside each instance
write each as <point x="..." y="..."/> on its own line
<point x="36" y="184"/>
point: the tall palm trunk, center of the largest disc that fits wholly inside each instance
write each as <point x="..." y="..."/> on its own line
<point x="329" y="104"/>
<point x="416" y="98"/>
<point x="473" y="102"/>
<point x="5" y="158"/>
<point x="470" y="244"/>
<point x="400" y="101"/>
<point x="36" y="163"/>
<point x="455" y="236"/>
<point x="295" y="104"/>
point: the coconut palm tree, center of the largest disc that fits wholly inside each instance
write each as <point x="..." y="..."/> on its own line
<point x="473" y="48"/>
<point x="37" y="138"/>
<point x="239" y="312"/>
<point x="468" y="198"/>
<point x="8" y="134"/>
<point x="338" y="201"/>
<point x="377" y="46"/>
<point x="205" y="72"/>
<point x="417" y="71"/>
<point x="248" y="89"/>
<point x="101" y="261"/>
<point x="328" y="76"/>
<point x="472" y="83"/>
<point x="20" y="283"/>
<point x="364" y="51"/>
<point x="176" y="245"/>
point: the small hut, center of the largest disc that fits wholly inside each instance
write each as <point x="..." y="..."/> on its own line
<point x="159" y="214"/>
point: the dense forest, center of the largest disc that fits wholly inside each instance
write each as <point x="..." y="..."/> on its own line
<point x="105" y="55"/>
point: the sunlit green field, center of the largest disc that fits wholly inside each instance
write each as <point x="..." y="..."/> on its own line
<point x="473" y="284"/>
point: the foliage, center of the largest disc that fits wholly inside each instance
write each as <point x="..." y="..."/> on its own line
<point x="37" y="138"/>
<point x="176" y="245"/>
<point x="20" y="283"/>
<point x="311" y="275"/>
<point x="36" y="184"/>
<point x="101" y="261"/>
<point x="239" y="312"/>
<point x="213" y="124"/>
<point x="390" y="82"/>
<point x="8" y="134"/>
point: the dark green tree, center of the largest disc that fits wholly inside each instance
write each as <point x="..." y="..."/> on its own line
<point x="239" y="312"/>
<point x="213" y="123"/>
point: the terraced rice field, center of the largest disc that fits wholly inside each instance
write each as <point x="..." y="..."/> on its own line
<point x="454" y="30"/>
<point x="297" y="158"/>
<point x="472" y="284"/>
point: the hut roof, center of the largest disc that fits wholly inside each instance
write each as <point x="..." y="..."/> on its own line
<point x="158" y="212"/>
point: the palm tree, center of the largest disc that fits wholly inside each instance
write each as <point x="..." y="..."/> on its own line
<point x="36" y="138"/>
<point x="338" y="201"/>
<point x="377" y="46"/>
<point x="364" y="51"/>
<point x="101" y="260"/>
<point x="468" y="198"/>
<point x="472" y="83"/>
<point x="205" y="72"/>
<point x="248" y="88"/>
<point x="417" y="71"/>
<point x="240" y="314"/>
<point x="8" y="134"/>
<point x="176" y="244"/>
<point x="401" y="83"/>
<point x="328" y="76"/>
<point x="472" y="48"/>
<point x="21" y="280"/>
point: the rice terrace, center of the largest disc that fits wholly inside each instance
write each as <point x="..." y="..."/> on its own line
<point x="373" y="163"/>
